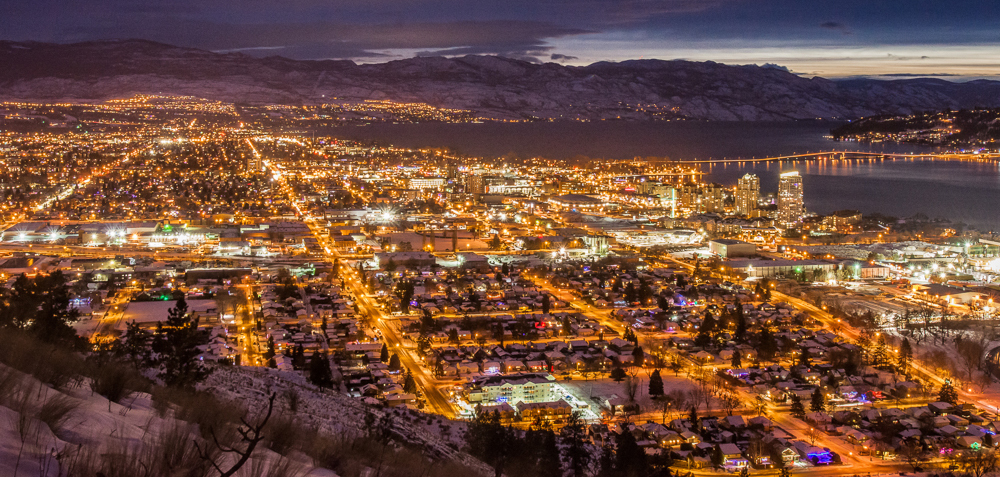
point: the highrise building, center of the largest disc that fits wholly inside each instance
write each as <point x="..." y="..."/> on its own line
<point x="790" y="208"/>
<point x="747" y="194"/>
<point x="474" y="184"/>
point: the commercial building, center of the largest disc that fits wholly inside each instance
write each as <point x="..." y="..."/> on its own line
<point x="790" y="204"/>
<point x="425" y="183"/>
<point x="576" y="202"/>
<point x="747" y="194"/>
<point x="807" y="269"/>
<point x="732" y="248"/>
<point x="934" y="292"/>
<point x="514" y="389"/>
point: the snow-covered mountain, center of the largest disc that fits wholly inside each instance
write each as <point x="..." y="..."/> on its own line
<point x="492" y="86"/>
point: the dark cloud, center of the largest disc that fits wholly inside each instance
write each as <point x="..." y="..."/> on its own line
<point x="377" y="30"/>
<point x="836" y="26"/>
<point x="562" y="58"/>
<point x="516" y="39"/>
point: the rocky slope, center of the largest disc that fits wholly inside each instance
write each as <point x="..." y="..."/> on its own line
<point x="492" y="86"/>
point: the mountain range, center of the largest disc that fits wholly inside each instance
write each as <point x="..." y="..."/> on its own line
<point x="492" y="87"/>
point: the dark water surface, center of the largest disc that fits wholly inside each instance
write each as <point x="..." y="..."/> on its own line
<point x="961" y="191"/>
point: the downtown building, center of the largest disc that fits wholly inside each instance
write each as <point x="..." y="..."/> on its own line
<point x="747" y="195"/>
<point x="790" y="203"/>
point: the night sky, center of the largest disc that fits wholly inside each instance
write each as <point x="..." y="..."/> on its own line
<point x="956" y="38"/>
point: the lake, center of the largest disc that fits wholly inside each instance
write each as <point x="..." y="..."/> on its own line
<point x="960" y="191"/>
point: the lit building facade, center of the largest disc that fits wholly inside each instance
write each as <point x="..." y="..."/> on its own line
<point x="747" y="194"/>
<point x="790" y="205"/>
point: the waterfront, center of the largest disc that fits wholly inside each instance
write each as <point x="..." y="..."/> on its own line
<point x="902" y="187"/>
<point x="958" y="190"/>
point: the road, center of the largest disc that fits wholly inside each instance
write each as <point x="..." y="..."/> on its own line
<point x="428" y="385"/>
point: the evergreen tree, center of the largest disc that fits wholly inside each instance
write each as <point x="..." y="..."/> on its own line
<point x="767" y="347"/>
<point x="797" y="409"/>
<point x="804" y="358"/>
<point x="905" y="356"/>
<point x="817" y="401"/>
<point x="545" y="303"/>
<point x="40" y="305"/>
<point x="299" y="357"/>
<point x="177" y="351"/>
<point x="737" y="362"/>
<point x="606" y="462"/>
<point x="630" y="336"/>
<point x="394" y="363"/>
<point x="718" y="458"/>
<point x="618" y="374"/>
<point x="320" y="373"/>
<point x="575" y="451"/>
<point x="548" y="462"/>
<point x="630" y="459"/>
<point x="655" y="384"/>
<point x="741" y="322"/>
<point x="630" y="293"/>
<point x="384" y="353"/>
<point x="638" y="356"/>
<point x="948" y="393"/>
<point x="693" y="416"/>
<point x="409" y="385"/>
<point x="708" y="324"/>
<point x="134" y="346"/>
<point x="269" y="354"/>
<point x="490" y="441"/>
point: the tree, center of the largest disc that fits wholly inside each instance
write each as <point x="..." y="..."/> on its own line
<point x="269" y="354"/>
<point x="409" y="385"/>
<point x="299" y="357"/>
<point x="575" y="451"/>
<point x="729" y="401"/>
<point x="384" y="353"/>
<point x="948" y="393"/>
<point x="547" y="455"/>
<point x="40" y="305"/>
<point x="736" y="363"/>
<point x="817" y="401"/>
<point x="638" y="356"/>
<point x="319" y="371"/>
<point x="718" y="458"/>
<point x="741" y="323"/>
<point x="912" y="453"/>
<point x="767" y="346"/>
<point x="630" y="459"/>
<point x="797" y="409"/>
<point x="490" y="441"/>
<point x="905" y="356"/>
<point x="134" y="346"/>
<point x="676" y="365"/>
<point x="618" y="374"/>
<point x="804" y="358"/>
<point x="250" y="436"/>
<point x="629" y="336"/>
<point x="177" y="348"/>
<point x="978" y="463"/>
<point x="545" y="303"/>
<point x="655" y="384"/>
